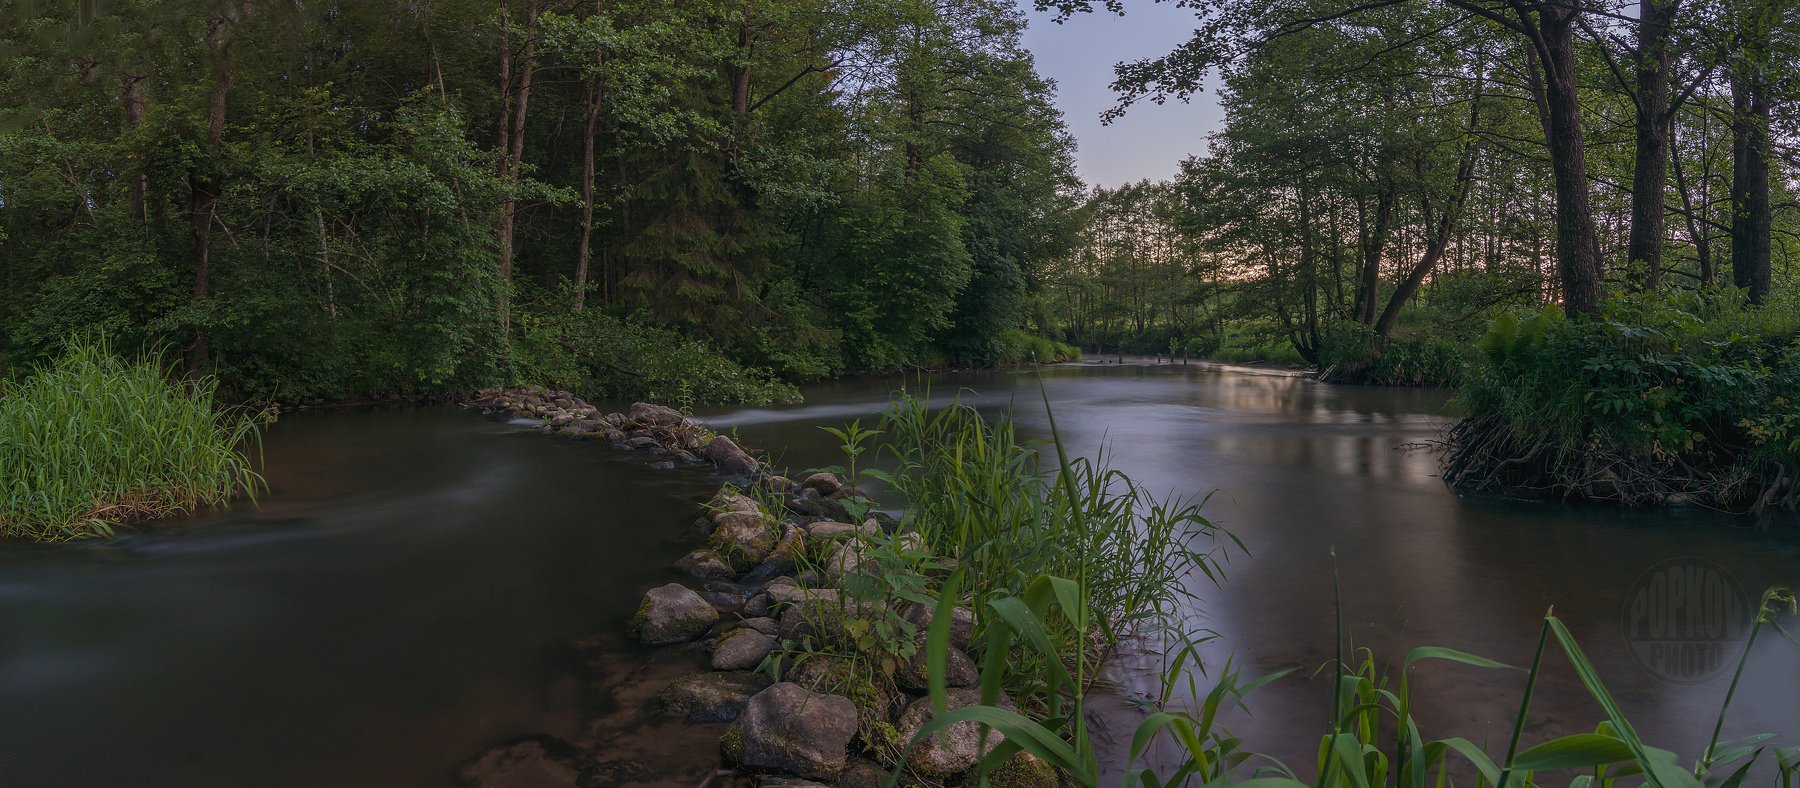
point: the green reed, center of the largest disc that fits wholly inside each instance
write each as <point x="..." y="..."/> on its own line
<point x="93" y="440"/>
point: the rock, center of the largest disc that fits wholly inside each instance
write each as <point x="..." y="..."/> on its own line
<point x="787" y="729"/>
<point x="791" y="782"/>
<point x="741" y="649"/>
<point x="826" y="529"/>
<point x="758" y="606"/>
<point x="647" y="413"/>
<point x="886" y="521"/>
<point x="954" y="750"/>
<point x="724" y="601"/>
<point x="782" y="560"/>
<point x="962" y="622"/>
<point x="742" y="541"/>
<point x="641" y="442"/>
<point x="821" y="618"/>
<point x="731" y="458"/>
<point x="704" y="564"/>
<point x="863" y="773"/>
<point x="959" y="669"/>
<point x="842" y="559"/>
<point x="810" y="505"/>
<point x="1023" y="770"/>
<point x="877" y="699"/>
<point x="761" y="624"/>
<point x="672" y="614"/>
<point x="787" y="594"/>
<point x="538" y="763"/>
<point x="710" y="697"/>
<point x="823" y="483"/>
<point x="778" y="485"/>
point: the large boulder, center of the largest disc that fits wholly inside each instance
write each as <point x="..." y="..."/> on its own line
<point x="731" y="458"/>
<point x="954" y="750"/>
<point x="710" y="697"/>
<point x="672" y="614"/>
<point x="742" y="540"/>
<point x="741" y="649"/>
<point x="730" y="500"/>
<point x="650" y="414"/>
<point x="787" y="729"/>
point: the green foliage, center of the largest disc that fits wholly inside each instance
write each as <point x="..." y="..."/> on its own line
<point x="1688" y="394"/>
<point x="91" y="441"/>
<point x="598" y="355"/>
<point x="1353" y="353"/>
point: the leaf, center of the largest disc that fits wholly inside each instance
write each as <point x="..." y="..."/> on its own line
<point x="1575" y="751"/>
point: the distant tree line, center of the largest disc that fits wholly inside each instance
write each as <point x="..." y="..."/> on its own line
<point x="1460" y="154"/>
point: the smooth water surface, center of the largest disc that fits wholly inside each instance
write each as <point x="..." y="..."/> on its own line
<point x="409" y="590"/>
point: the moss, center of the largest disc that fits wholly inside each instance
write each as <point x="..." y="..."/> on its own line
<point x="731" y="746"/>
<point x="1022" y="771"/>
<point x="636" y="627"/>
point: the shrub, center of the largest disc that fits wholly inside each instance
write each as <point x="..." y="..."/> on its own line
<point x="91" y="441"/>
<point x="603" y="356"/>
<point x="1686" y="397"/>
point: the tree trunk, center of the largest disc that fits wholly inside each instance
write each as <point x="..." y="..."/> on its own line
<point x="132" y="99"/>
<point x="1696" y="225"/>
<point x="584" y="245"/>
<point x="740" y="77"/>
<point x="1750" y="206"/>
<point x="1577" y="242"/>
<point x="513" y="150"/>
<point x="203" y="185"/>
<point x="1368" y="287"/>
<point x="1650" y="171"/>
<point x="1446" y="225"/>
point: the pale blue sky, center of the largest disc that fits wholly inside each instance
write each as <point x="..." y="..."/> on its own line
<point x="1079" y="54"/>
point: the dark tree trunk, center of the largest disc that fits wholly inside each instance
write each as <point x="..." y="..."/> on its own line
<point x="1446" y="223"/>
<point x="1577" y="243"/>
<point x="1650" y="171"/>
<point x="1750" y="206"/>
<point x="1368" y="287"/>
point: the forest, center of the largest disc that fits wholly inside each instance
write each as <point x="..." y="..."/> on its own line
<point x="334" y="201"/>
<point x="409" y="370"/>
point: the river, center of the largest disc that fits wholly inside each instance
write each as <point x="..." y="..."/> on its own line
<point x="420" y="583"/>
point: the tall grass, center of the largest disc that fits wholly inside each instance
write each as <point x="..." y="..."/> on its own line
<point x="1371" y="740"/>
<point x="1010" y="514"/>
<point x="93" y="440"/>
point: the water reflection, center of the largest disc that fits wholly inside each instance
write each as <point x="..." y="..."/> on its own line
<point x="407" y="592"/>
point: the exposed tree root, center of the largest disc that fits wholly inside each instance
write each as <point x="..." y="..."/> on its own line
<point x="1485" y="452"/>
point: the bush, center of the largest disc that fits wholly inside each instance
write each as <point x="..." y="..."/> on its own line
<point x="92" y="441"/>
<point x="1663" y="397"/>
<point x="1352" y="353"/>
<point x="602" y="356"/>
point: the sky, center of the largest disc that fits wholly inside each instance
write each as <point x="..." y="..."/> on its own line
<point x="1150" y="141"/>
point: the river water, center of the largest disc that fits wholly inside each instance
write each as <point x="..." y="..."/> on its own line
<point x="419" y="584"/>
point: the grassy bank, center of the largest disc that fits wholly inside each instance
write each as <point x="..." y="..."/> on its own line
<point x="93" y="440"/>
<point x="1692" y="398"/>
